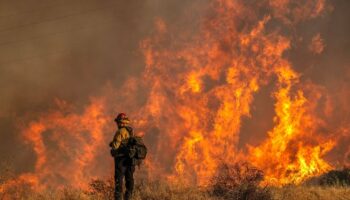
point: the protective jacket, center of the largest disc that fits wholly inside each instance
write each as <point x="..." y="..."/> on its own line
<point x="121" y="135"/>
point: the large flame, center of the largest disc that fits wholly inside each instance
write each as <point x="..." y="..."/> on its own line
<point x="199" y="84"/>
<point x="293" y="150"/>
<point x="66" y="144"/>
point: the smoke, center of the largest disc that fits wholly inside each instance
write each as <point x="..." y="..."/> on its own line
<point x="66" y="50"/>
<point x="68" y="67"/>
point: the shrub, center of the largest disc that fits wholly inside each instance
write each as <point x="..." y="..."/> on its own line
<point x="101" y="189"/>
<point x="239" y="181"/>
<point x="335" y="177"/>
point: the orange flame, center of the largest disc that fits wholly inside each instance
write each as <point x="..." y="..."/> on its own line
<point x="198" y="86"/>
<point x="66" y="145"/>
<point x="237" y="64"/>
<point x="286" y="157"/>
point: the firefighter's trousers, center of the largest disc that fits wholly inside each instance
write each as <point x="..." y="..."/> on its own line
<point x="123" y="168"/>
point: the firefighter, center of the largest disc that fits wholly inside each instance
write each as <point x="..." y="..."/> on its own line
<point x="123" y="164"/>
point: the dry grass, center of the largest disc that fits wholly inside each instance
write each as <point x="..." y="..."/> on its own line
<point x="151" y="191"/>
<point x="311" y="193"/>
<point x="232" y="183"/>
<point x="162" y="191"/>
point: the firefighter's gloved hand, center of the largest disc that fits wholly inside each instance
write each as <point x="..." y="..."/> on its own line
<point x="132" y="152"/>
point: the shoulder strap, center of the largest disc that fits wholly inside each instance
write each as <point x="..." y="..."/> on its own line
<point x="130" y="130"/>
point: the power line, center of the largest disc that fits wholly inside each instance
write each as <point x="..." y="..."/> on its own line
<point x="57" y="18"/>
<point x="9" y="62"/>
<point x="6" y="43"/>
<point x="34" y="10"/>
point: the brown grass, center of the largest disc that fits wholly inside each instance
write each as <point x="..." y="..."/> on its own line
<point x="163" y="191"/>
<point x="311" y="193"/>
<point x="233" y="183"/>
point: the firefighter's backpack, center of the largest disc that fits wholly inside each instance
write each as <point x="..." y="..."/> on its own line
<point x="135" y="147"/>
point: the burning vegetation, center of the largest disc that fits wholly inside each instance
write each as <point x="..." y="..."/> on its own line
<point x="199" y="84"/>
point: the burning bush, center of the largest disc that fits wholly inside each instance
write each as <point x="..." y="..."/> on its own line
<point x="6" y="172"/>
<point x="10" y="187"/>
<point x="239" y="181"/>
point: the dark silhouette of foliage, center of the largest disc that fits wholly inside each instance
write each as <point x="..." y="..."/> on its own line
<point x="239" y="181"/>
<point x="336" y="177"/>
<point x="102" y="189"/>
